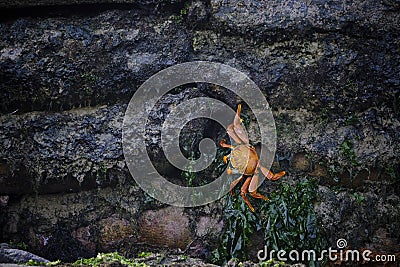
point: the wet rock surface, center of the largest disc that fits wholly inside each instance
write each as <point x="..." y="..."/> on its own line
<point x="9" y="254"/>
<point x="340" y="211"/>
<point x="72" y="151"/>
<point x="30" y="3"/>
<point x="269" y="18"/>
<point x="84" y="61"/>
<point x="329" y="70"/>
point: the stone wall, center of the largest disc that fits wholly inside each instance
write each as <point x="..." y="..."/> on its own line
<point x="329" y="69"/>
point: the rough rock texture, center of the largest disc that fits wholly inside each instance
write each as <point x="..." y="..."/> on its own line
<point x="329" y="69"/>
<point x="266" y="18"/>
<point x="340" y="210"/>
<point x="84" y="61"/>
<point x="166" y="227"/>
<point x="31" y="3"/>
<point x="89" y="139"/>
<point x="69" y="226"/>
<point x="13" y="255"/>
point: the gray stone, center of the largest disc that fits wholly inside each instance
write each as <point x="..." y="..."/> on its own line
<point x="31" y="3"/>
<point x="12" y="255"/>
<point x="60" y="157"/>
<point x="84" y="62"/>
<point x="330" y="71"/>
<point x="266" y="19"/>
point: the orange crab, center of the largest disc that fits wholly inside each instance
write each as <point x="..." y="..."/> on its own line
<point x="244" y="159"/>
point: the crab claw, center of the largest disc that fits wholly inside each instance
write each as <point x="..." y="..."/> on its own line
<point x="225" y="159"/>
<point x="223" y="143"/>
<point x="270" y="175"/>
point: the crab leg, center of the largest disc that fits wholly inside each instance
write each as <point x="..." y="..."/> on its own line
<point x="253" y="188"/>
<point x="234" y="183"/>
<point x="231" y="133"/>
<point x="237" y="126"/>
<point x="270" y="175"/>
<point x="243" y="192"/>
<point x="224" y="144"/>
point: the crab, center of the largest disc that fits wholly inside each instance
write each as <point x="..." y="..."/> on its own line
<point x="244" y="159"/>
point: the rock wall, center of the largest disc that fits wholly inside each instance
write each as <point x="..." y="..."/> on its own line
<point x="329" y="69"/>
